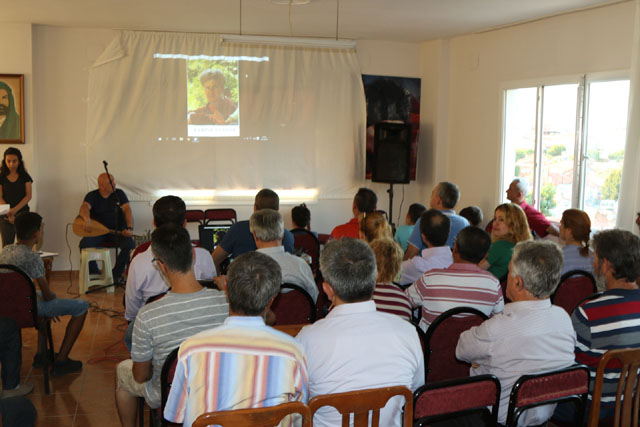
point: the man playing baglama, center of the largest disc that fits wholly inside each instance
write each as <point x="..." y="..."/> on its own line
<point x="162" y="325"/>
<point x="531" y="336"/>
<point x="434" y="229"/>
<point x="517" y="193"/>
<point x="100" y="205"/>
<point x="356" y="347"/>
<point x="365" y="201"/>
<point x="9" y="117"/>
<point x="463" y="283"/>
<point x="267" y="228"/>
<point x="444" y="198"/>
<point x="243" y="363"/>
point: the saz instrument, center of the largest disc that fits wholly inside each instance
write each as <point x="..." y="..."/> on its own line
<point x="97" y="229"/>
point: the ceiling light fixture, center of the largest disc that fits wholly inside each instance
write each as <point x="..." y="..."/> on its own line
<point x="290" y="2"/>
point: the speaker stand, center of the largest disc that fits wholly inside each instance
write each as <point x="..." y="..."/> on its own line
<point x="390" y="191"/>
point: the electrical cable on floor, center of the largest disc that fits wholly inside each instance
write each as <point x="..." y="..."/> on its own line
<point x="66" y="238"/>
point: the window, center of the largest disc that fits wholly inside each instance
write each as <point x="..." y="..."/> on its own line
<point x="567" y="141"/>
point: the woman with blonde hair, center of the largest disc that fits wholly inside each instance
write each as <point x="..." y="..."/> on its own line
<point x="389" y="298"/>
<point x="510" y="226"/>
<point x="575" y="232"/>
<point x="373" y="226"/>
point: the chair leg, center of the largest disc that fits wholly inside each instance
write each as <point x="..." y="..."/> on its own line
<point x="141" y="411"/>
<point x="42" y="349"/>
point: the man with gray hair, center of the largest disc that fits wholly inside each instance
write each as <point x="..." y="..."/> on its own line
<point x="356" y="347"/>
<point x="267" y="228"/>
<point x="531" y="336"/>
<point x="516" y="193"/>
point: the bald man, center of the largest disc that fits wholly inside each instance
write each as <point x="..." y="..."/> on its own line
<point x="102" y="205"/>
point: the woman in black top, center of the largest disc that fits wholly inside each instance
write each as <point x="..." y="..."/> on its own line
<point x="15" y="190"/>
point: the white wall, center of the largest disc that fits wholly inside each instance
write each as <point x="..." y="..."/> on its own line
<point x="583" y="42"/>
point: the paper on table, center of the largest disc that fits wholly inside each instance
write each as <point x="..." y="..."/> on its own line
<point x="4" y="209"/>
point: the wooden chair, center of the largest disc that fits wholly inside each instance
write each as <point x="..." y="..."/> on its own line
<point x="259" y="417"/>
<point x="575" y="286"/>
<point x="627" y="394"/>
<point x="293" y="307"/>
<point x="18" y="301"/>
<point x="361" y="402"/>
<point x="445" y="400"/>
<point x="440" y="343"/>
<point x="563" y="385"/>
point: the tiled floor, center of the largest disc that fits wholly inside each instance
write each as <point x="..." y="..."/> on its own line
<point x="84" y="399"/>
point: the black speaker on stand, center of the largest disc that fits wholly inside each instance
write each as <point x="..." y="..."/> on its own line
<point x="391" y="157"/>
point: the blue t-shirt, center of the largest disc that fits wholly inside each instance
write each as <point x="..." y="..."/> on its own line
<point x="104" y="209"/>
<point x="457" y="224"/>
<point x="402" y="235"/>
<point x="239" y="240"/>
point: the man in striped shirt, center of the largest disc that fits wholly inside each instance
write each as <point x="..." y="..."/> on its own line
<point x="243" y="363"/>
<point x="463" y="283"/>
<point x="162" y="325"/>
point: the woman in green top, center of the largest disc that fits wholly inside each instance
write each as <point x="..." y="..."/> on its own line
<point x="510" y="226"/>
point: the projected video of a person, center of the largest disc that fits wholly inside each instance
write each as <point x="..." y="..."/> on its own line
<point x="220" y="110"/>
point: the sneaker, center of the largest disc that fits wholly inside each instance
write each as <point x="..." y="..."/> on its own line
<point x="22" y="389"/>
<point x="64" y="367"/>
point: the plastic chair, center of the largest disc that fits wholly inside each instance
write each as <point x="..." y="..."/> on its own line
<point x="563" y="385"/>
<point x="440" y="343"/>
<point x="361" y="402"/>
<point x="293" y="307"/>
<point x="627" y="394"/>
<point x="444" y="400"/>
<point x="87" y="280"/>
<point x="18" y="301"/>
<point x="575" y="286"/>
<point x="258" y="417"/>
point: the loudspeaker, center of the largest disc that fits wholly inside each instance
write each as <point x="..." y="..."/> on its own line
<point x="391" y="153"/>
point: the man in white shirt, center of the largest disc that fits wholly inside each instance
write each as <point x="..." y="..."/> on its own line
<point x="144" y="280"/>
<point x="356" y="347"/>
<point x="434" y="231"/>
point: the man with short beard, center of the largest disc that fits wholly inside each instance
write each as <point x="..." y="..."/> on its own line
<point x="9" y="118"/>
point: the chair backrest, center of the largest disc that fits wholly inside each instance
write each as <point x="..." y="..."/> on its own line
<point x="307" y="242"/>
<point x="627" y="394"/>
<point x="166" y="376"/>
<point x="574" y="287"/>
<point x="441" y="339"/>
<point x="293" y="307"/>
<point x="139" y="249"/>
<point x="443" y="400"/>
<point x="568" y="384"/>
<point x="194" y="215"/>
<point x="259" y="417"/>
<point x="361" y="402"/>
<point x="18" y="299"/>
<point x="290" y="329"/>
<point x="222" y="215"/>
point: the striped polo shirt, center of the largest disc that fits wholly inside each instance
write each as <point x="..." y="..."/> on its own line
<point x="609" y="322"/>
<point x="461" y="284"/>
<point x="391" y="299"/>
<point x="241" y="364"/>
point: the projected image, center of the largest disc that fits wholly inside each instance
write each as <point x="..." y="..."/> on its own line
<point x="212" y="98"/>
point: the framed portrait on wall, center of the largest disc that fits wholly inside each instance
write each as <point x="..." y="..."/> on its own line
<point x="12" y="108"/>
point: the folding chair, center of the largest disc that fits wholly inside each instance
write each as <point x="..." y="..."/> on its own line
<point x="575" y="286"/>
<point x="307" y="242"/>
<point x="18" y="301"/>
<point x="293" y="307"/>
<point x="258" y="417"/>
<point x="440" y="343"/>
<point x="361" y="402"/>
<point x="195" y="216"/>
<point x="445" y="400"/>
<point x="563" y="385"/>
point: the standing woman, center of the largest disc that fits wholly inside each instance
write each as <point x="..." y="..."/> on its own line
<point x="15" y="190"/>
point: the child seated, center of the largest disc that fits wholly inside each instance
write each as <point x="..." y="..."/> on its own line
<point x="404" y="231"/>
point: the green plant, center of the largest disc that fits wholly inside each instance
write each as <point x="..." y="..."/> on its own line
<point x="611" y="186"/>
<point x="547" y="198"/>
<point x="556" y="150"/>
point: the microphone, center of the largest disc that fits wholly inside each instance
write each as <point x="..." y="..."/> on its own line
<point x="104" y="162"/>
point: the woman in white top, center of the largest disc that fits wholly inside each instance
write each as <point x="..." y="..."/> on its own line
<point x="575" y="231"/>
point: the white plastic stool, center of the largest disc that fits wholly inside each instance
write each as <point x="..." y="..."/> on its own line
<point x="104" y="278"/>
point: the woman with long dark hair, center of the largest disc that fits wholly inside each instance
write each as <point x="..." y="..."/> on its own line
<point x="15" y="191"/>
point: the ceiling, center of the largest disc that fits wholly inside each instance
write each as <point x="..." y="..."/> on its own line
<point x="395" y="20"/>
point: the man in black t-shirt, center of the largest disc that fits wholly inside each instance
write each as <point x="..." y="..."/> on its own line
<point x="101" y="205"/>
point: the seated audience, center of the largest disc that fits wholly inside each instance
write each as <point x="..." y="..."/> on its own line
<point x="517" y="193"/>
<point x="463" y="283"/>
<point x="239" y="240"/>
<point x="373" y="226"/>
<point x="434" y="229"/>
<point x="365" y="201"/>
<point x="389" y="298"/>
<point x="11" y="360"/>
<point x="29" y="229"/>
<point x="473" y="214"/>
<point x="531" y="336"/>
<point x="509" y="227"/>
<point x="267" y="228"/>
<point x="404" y="231"/>
<point x="611" y="321"/>
<point x="575" y="232"/>
<point x="356" y="347"/>
<point x="301" y="218"/>
<point x="226" y="361"/>
<point x="144" y="280"/>
<point x="443" y="198"/>
<point x="162" y="325"/>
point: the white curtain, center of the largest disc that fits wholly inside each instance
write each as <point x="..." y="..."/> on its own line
<point x="302" y="118"/>
<point x="629" y="201"/>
